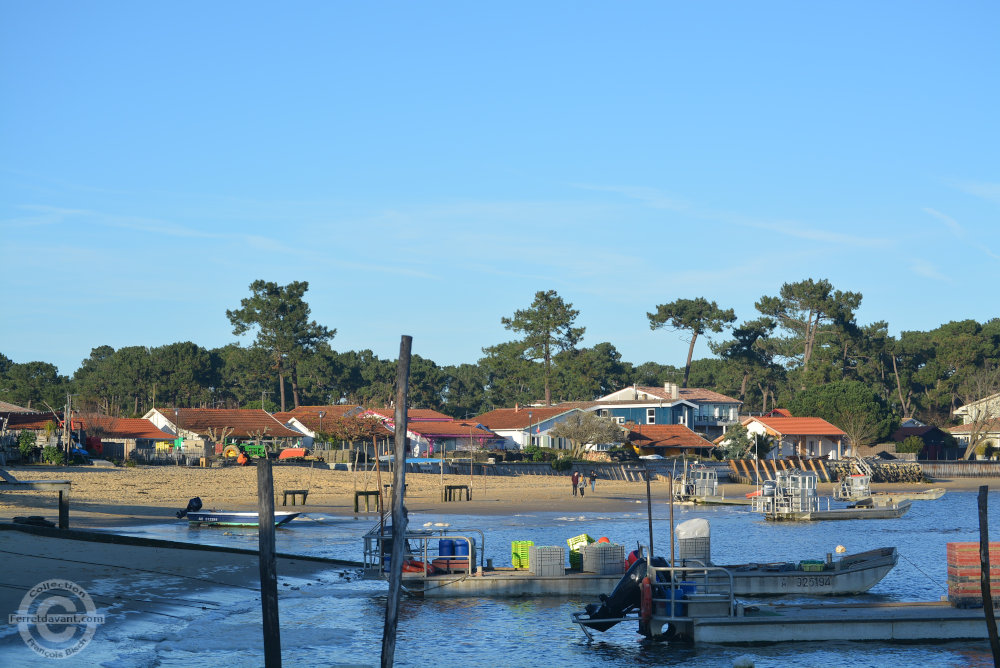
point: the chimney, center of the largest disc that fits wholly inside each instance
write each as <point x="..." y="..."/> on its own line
<point x="675" y="391"/>
<point x="516" y="408"/>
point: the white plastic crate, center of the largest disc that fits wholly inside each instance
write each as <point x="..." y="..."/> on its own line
<point x="546" y="560"/>
<point x="604" y="558"/>
<point x="695" y="548"/>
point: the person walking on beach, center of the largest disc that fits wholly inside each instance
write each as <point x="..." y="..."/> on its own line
<point x="583" y="485"/>
<point x="575" y="479"/>
<point x="593" y="479"/>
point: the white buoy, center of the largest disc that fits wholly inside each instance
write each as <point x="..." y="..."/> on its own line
<point x="743" y="661"/>
<point x="428" y="524"/>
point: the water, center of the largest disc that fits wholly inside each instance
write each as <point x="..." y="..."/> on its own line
<point x="341" y="624"/>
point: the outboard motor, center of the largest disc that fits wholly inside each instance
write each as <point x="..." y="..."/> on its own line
<point x="624" y="598"/>
<point x="194" y="505"/>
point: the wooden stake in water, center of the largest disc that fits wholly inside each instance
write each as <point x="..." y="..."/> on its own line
<point x="268" y="564"/>
<point x="398" y="510"/>
<point x="985" y="584"/>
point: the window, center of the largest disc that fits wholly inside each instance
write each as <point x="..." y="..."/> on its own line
<point x="619" y="420"/>
<point x="602" y="413"/>
<point x="650" y="416"/>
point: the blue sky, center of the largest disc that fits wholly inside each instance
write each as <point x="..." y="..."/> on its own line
<point x="428" y="167"/>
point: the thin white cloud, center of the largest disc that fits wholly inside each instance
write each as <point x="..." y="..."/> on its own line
<point x="928" y="270"/>
<point x="950" y="222"/>
<point x="961" y="233"/>
<point x="988" y="191"/>
<point x="656" y="199"/>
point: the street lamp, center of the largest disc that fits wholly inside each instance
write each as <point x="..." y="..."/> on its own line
<point x="321" y="414"/>
<point x="528" y="440"/>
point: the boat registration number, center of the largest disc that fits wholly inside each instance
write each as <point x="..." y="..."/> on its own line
<point x="814" y="581"/>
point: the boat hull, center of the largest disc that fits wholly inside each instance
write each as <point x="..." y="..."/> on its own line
<point x="853" y="574"/>
<point x="222" y="518"/>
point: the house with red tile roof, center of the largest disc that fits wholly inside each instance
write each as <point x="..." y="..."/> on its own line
<point x="528" y="425"/>
<point x="798" y="436"/>
<point x="202" y="428"/>
<point x="431" y="433"/>
<point x="668" y="440"/>
<point x="309" y="420"/>
<point x="117" y="438"/>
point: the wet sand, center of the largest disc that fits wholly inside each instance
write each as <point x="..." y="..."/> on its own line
<point x="106" y="497"/>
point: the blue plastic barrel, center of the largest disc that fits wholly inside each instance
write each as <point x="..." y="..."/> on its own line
<point x="688" y="587"/>
<point x="462" y="548"/>
<point x="446" y="547"/>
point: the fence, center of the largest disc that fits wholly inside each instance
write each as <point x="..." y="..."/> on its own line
<point x="960" y="469"/>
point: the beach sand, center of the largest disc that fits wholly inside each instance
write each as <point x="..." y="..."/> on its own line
<point x="106" y="497"/>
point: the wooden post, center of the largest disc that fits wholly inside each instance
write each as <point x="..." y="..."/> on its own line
<point x="984" y="565"/>
<point x="63" y="509"/>
<point x="268" y="564"/>
<point x="398" y="510"/>
<point x="649" y="513"/>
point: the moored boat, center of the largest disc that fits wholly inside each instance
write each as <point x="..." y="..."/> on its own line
<point x="228" y="518"/>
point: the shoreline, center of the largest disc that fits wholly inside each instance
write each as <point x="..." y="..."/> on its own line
<point x="110" y="497"/>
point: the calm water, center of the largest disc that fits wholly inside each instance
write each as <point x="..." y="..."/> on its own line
<point x="341" y="624"/>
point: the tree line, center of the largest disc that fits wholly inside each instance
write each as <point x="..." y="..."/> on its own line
<point x="804" y="337"/>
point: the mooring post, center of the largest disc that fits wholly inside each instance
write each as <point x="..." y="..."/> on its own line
<point x="268" y="564"/>
<point x="398" y="510"/>
<point x="985" y="580"/>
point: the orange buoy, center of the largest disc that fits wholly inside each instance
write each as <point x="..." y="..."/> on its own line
<point x="645" y="600"/>
<point x="603" y="539"/>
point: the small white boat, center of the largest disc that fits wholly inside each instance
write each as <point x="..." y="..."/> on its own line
<point x="227" y="518"/>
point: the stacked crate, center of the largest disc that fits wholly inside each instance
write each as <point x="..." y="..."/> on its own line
<point x="576" y="544"/>
<point x="547" y="560"/>
<point x="604" y="558"/>
<point x="965" y="575"/>
<point x="519" y="557"/>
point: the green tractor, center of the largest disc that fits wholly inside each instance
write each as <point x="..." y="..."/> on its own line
<point x="253" y="451"/>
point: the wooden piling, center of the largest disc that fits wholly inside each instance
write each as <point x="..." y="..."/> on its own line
<point x="985" y="580"/>
<point x="398" y="510"/>
<point x="268" y="564"/>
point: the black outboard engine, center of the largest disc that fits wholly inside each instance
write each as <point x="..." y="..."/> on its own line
<point x="194" y="505"/>
<point x="624" y="598"/>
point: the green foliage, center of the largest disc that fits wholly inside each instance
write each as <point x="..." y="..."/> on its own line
<point x="810" y="312"/>
<point x="547" y="326"/>
<point x="26" y="443"/>
<point x="693" y="316"/>
<point x="910" y="445"/>
<point x="737" y="444"/>
<point x="851" y="405"/>
<point x="53" y="455"/>
<point x="280" y="316"/>
<point x="563" y="464"/>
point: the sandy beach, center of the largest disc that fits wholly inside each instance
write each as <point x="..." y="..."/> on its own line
<point x="105" y="497"/>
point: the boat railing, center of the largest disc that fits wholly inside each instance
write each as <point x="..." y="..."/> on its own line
<point x="420" y="547"/>
<point x="683" y="592"/>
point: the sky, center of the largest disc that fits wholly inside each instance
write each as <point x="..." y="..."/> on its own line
<point x="427" y="167"/>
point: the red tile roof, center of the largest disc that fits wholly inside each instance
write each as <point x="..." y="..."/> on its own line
<point x="797" y="426"/>
<point x="309" y="415"/>
<point x="14" y="408"/>
<point x="30" y="421"/>
<point x="666" y="435"/>
<point x="779" y="412"/>
<point x="245" y="423"/>
<point x="452" y="429"/>
<point x="412" y="415"/>
<point x="517" y="418"/>
<point x="111" y="428"/>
